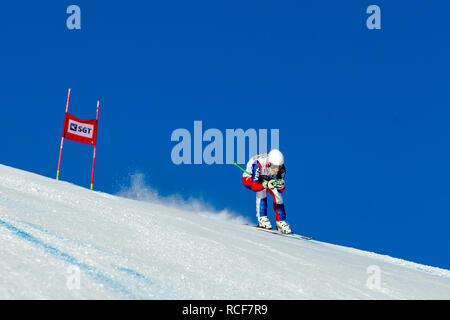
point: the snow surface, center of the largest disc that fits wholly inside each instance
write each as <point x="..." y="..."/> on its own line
<point x="61" y="241"/>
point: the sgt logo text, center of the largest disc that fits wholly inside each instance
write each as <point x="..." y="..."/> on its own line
<point x="81" y="130"/>
<point x="240" y="145"/>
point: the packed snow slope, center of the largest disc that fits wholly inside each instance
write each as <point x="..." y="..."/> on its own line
<point x="61" y="241"/>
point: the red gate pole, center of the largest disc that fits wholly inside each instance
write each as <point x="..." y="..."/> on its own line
<point x="95" y="146"/>
<point x="62" y="138"/>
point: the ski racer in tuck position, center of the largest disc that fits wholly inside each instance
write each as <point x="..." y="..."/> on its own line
<point x="267" y="176"/>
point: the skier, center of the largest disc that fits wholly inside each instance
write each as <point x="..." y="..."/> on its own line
<point x="265" y="174"/>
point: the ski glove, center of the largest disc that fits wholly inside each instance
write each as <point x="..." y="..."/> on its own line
<point x="269" y="184"/>
<point x="279" y="184"/>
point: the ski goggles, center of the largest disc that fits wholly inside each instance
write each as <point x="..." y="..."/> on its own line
<point x="275" y="167"/>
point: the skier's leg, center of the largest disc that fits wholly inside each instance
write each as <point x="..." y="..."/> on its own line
<point x="261" y="210"/>
<point x="280" y="213"/>
<point x="278" y="205"/>
<point x="261" y="203"/>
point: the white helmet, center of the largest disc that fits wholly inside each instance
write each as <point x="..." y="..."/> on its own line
<point x="275" y="158"/>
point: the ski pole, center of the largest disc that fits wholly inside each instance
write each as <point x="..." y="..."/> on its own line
<point x="249" y="172"/>
<point x="243" y="169"/>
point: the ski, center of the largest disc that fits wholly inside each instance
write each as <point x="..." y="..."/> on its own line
<point x="293" y="235"/>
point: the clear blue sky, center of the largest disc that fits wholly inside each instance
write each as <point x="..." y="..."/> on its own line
<point x="363" y="114"/>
